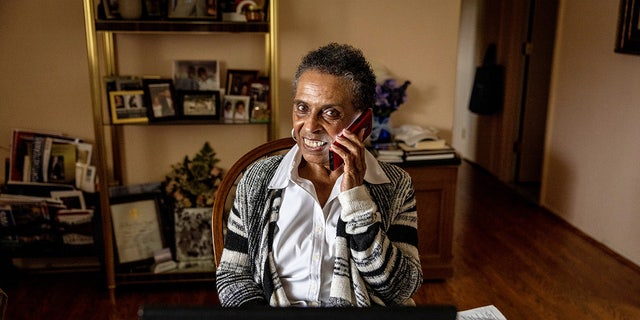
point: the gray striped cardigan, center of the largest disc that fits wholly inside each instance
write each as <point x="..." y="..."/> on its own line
<point x="377" y="260"/>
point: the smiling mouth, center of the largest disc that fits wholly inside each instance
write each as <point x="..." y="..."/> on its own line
<point x="314" y="143"/>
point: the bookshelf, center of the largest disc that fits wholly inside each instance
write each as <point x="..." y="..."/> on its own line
<point x="104" y="58"/>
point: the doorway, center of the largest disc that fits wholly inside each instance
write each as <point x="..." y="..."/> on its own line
<point x="509" y="144"/>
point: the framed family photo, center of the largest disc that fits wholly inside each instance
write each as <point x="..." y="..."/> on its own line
<point x="239" y="81"/>
<point x="196" y="104"/>
<point x="127" y="107"/>
<point x="136" y="227"/>
<point x="193" y="234"/>
<point x="161" y="98"/>
<point x="196" y="75"/>
<point x="236" y="108"/>
<point x="260" y="98"/>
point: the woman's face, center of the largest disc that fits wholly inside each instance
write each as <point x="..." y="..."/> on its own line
<point x="322" y="107"/>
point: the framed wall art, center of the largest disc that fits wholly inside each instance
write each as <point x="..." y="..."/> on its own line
<point x="196" y="104"/>
<point x="628" y="33"/>
<point x="239" y="81"/>
<point x="161" y="99"/>
<point x="136" y="227"/>
<point x="127" y="107"/>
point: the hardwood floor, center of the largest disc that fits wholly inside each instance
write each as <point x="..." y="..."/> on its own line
<point x="507" y="252"/>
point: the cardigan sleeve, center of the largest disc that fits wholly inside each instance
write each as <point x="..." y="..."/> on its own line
<point x="383" y="238"/>
<point x="234" y="276"/>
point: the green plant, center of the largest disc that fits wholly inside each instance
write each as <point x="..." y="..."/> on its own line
<point x="194" y="182"/>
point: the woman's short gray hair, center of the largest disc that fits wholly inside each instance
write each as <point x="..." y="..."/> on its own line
<point x="346" y="62"/>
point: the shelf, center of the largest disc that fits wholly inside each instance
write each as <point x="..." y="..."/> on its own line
<point x="189" y="122"/>
<point x="180" y="26"/>
<point x="148" y="277"/>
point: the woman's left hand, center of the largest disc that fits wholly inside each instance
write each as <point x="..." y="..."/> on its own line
<point x="353" y="153"/>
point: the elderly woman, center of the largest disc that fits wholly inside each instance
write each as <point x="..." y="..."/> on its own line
<point x="301" y="234"/>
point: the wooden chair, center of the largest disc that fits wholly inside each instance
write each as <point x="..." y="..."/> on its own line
<point x="4" y="299"/>
<point x="228" y="183"/>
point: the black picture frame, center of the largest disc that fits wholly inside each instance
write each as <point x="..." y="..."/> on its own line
<point x="199" y="104"/>
<point x="137" y="229"/>
<point x="194" y="10"/>
<point x="239" y="81"/>
<point x="628" y="33"/>
<point x="161" y="99"/>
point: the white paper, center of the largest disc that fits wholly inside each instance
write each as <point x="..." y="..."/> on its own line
<point x="489" y="312"/>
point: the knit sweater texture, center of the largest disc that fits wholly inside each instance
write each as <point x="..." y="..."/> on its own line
<point x="376" y="263"/>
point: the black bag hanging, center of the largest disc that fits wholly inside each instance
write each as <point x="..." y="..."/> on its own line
<point x="488" y="85"/>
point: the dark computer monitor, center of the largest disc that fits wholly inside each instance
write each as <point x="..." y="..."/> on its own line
<point x="432" y="312"/>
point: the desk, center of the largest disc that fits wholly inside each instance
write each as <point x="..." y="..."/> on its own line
<point x="435" y="188"/>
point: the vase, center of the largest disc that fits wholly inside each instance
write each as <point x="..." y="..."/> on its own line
<point x="381" y="130"/>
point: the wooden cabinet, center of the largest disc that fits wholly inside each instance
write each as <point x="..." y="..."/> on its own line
<point x="105" y="40"/>
<point x="435" y="187"/>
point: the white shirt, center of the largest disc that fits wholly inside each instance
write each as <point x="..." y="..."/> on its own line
<point x="303" y="245"/>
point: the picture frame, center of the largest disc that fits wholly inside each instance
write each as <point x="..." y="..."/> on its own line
<point x="127" y="106"/>
<point x="160" y="95"/>
<point x="236" y="108"/>
<point x="196" y="104"/>
<point x="137" y="228"/>
<point x="192" y="228"/>
<point x="110" y="8"/>
<point x="194" y="10"/>
<point x="628" y="32"/>
<point x="239" y="81"/>
<point x="72" y="199"/>
<point x="260" y="101"/>
<point x="196" y="75"/>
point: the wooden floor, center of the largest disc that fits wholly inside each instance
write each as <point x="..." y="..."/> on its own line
<point x="508" y="252"/>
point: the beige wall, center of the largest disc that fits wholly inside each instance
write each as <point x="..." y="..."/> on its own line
<point x="592" y="159"/>
<point x="415" y="40"/>
<point x="43" y="63"/>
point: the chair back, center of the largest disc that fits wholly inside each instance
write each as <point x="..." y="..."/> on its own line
<point x="219" y="215"/>
<point x="4" y="299"/>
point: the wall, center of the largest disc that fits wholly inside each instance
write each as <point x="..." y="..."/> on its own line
<point x="591" y="174"/>
<point x="415" y="40"/>
<point x="43" y="62"/>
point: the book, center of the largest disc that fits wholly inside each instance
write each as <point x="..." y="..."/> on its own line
<point x="489" y="312"/>
<point x="430" y="144"/>
<point x="62" y="163"/>
<point x="437" y="156"/>
<point x="387" y="149"/>
<point x="31" y="155"/>
<point x="409" y="150"/>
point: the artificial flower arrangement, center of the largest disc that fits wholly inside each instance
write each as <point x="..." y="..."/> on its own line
<point x="389" y="97"/>
<point x="193" y="183"/>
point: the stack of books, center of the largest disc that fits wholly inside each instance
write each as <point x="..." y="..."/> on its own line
<point x="427" y="150"/>
<point x="388" y="152"/>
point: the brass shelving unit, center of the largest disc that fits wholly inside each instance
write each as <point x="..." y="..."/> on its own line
<point x="101" y="48"/>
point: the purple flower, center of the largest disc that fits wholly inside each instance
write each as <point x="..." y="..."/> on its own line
<point x="389" y="97"/>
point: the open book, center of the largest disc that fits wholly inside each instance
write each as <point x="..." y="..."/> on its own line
<point x="489" y="312"/>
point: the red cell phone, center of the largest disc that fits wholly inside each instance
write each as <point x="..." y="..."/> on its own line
<point x="364" y="120"/>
